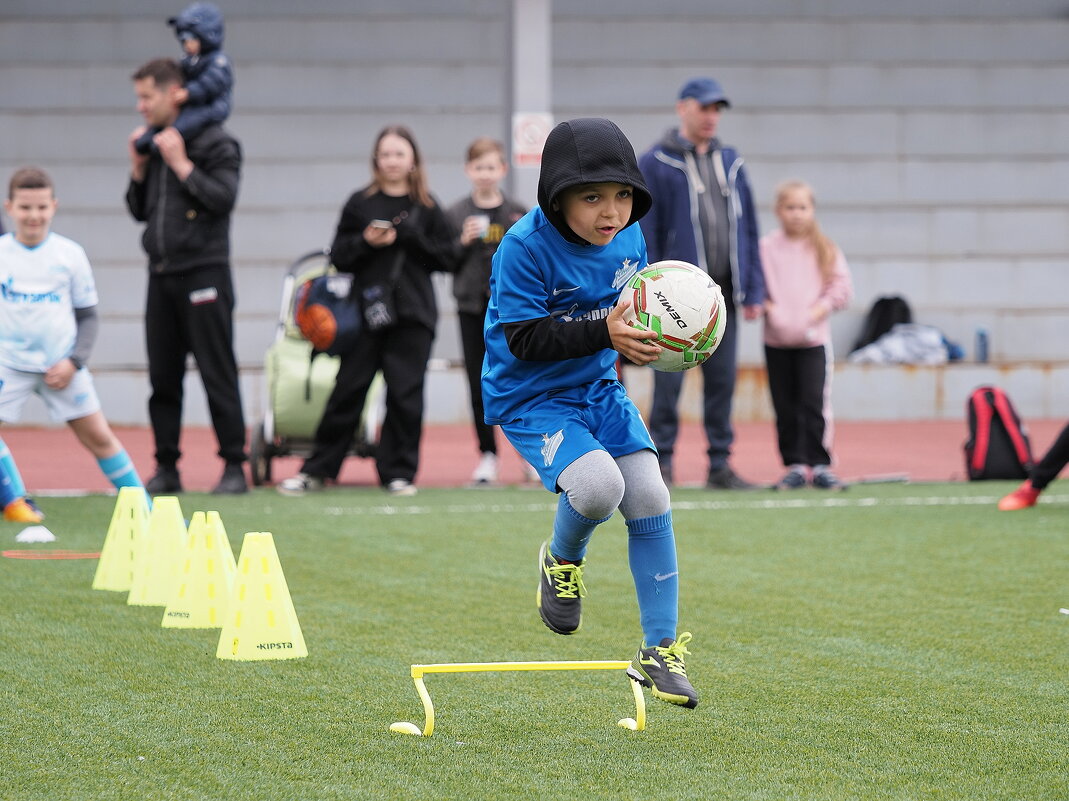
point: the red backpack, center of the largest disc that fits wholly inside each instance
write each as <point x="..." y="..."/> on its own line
<point x="998" y="445"/>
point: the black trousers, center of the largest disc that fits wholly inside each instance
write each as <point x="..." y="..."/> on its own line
<point x="474" y="347"/>
<point x="718" y="389"/>
<point x="1056" y="457"/>
<point x="192" y="313"/>
<point x="401" y="353"/>
<point x="798" y="380"/>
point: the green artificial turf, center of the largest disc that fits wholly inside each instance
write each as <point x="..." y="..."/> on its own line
<point x="890" y="642"/>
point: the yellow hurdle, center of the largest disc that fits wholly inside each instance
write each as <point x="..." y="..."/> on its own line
<point x="637" y="723"/>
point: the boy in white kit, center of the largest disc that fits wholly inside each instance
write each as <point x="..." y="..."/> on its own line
<point x="48" y="324"/>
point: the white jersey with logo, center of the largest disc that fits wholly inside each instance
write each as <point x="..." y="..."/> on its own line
<point x="40" y="287"/>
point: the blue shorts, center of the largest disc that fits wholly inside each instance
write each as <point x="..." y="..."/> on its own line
<point x="571" y="422"/>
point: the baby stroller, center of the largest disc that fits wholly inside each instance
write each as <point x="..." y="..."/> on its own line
<point x="298" y="386"/>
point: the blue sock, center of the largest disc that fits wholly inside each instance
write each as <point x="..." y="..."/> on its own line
<point x="11" y="486"/>
<point x="571" y="532"/>
<point x="119" y="470"/>
<point x="651" y="552"/>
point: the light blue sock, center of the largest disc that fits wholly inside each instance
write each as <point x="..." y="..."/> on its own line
<point x="571" y="532"/>
<point x="119" y="470"/>
<point x="651" y="553"/>
<point x="11" y="486"/>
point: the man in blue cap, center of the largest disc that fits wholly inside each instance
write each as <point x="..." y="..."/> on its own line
<point x="703" y="213"/>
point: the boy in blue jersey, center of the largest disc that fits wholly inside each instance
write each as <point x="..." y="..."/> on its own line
<point x="48" y="324"/>
<point x="553" y="335"/>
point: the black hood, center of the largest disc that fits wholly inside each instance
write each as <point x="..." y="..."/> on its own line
<point x="590" y="150"/>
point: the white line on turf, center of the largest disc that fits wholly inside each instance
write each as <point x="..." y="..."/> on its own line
<point x="839" y="502"/>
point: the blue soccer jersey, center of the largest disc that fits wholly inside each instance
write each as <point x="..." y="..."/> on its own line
<point x="537" y="273"/>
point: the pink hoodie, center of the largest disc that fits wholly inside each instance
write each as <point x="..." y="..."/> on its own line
<point x="793" y="285"/>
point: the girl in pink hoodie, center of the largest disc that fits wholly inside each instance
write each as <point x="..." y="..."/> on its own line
<point x="806" y="279"/>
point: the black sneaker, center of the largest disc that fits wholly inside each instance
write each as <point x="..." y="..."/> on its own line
<point x="726" y="478"/>
<point x="795" y="479"/>
<point x="560" y="588"/>
<point x="233" y="481"/>
<point x="825" y="479"/>
<point x="661" y="669"/>
<point x="165" y="481"/>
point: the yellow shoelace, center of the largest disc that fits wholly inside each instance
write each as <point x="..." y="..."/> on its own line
<point x="568" y="579"/>
<point x="674" y="653"/>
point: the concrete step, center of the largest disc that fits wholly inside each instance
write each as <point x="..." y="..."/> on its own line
<point x="891" y="392"/>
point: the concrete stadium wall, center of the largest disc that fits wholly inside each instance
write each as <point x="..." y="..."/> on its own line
<point x="936" y="139"/>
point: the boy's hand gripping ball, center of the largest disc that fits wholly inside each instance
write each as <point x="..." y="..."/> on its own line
<point x="683" y="309"/>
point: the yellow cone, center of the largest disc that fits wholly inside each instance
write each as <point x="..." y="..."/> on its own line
<point x="205" y="576"/>
<point x="129" y="522"/>
<point x="159" y="556"/>
<point x="260" y="620"/>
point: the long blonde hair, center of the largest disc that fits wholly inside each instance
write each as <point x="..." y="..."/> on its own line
<point x="823" y="246"/>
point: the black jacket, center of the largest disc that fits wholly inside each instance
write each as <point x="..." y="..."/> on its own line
<point x="209" y="78"/>
<point x="471" y="281"/>
<point x="424" y="243"/>
<point x="188" y="222"/>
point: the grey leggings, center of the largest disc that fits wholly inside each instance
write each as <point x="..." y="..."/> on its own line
<point x="597" y="485"/>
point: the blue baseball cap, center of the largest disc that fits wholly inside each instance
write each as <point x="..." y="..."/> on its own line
<point x="705" y="90"/>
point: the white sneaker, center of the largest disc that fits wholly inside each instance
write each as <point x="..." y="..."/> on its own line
<point x="300" y="484"/>
<point x="401" y="488"/>
<point x="486" y="470"/>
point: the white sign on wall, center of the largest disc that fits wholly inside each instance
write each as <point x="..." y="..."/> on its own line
<point x="529" y="132"/>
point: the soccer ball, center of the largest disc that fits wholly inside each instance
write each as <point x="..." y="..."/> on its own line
<point x="682" y="306"/>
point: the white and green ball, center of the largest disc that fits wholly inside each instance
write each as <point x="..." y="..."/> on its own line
<point x="682" y="307"/>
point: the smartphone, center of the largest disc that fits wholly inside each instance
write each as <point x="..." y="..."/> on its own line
<point x="381" y="224"/>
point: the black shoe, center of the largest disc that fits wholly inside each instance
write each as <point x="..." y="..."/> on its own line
<point x="233" y="481"/>
<point x="795" y="479"/>
<point x="661" y="669"/>
<point x="560" y="592"/>
<point x="726" y="478"/>
<point x="827" y="480"/>
<point x="165" y="481"/>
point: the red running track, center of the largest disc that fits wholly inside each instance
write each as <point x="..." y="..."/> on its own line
<point x="51" y="459"/>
